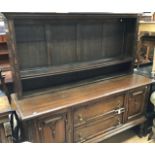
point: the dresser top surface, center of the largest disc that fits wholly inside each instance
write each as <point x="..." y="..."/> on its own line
<point x="34" y="106"/>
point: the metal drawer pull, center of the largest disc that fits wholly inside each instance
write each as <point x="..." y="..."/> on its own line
<point x="120" y="110"/>
<point x="81" y="119"/>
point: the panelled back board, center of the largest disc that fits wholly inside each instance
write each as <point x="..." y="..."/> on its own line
<point x="60" y="49"/>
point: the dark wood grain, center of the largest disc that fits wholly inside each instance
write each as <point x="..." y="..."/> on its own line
<point x="14" y="59"/>
<point x="61" y="43"/>
<point x="87" y="113"/>
<point x="52" y="129"/>
<point x="31" y="46"/>
<point x="89" y="41"/>
<point x="113" y="38"/>
<point x="72" y="54"/>
<point x="99" y="108"/>
<point x="98" y="127"/>
<point x="48" y="44"/>
<point x="136" y="102"/>
<point x="38" y="105"/>
<point x="117" y="130"/>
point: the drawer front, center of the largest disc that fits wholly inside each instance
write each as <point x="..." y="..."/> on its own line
<point x="98" y="127"/>
<point x="136" y="102"/>
<point x="97" y="109"/>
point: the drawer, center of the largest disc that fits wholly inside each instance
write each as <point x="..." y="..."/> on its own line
<point x="98" y="127"/>
<point x="97" y="109"/>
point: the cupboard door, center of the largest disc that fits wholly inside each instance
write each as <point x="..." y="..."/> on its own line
<point x="136" y="102"/>
<point x="52" y="129"/>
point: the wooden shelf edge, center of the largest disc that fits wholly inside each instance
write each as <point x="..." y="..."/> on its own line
<point x="48" y="71"/>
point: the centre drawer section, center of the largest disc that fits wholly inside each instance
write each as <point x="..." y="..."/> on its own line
<point x="95" y="128"/>
<point x="98" y="109"/>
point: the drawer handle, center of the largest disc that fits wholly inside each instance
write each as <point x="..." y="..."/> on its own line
<point x="80" y="118"/>
<point x="120" y="110"/>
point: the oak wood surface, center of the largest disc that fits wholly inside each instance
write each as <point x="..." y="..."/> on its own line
<point x="37" y="105"/>
<point x="98" y="127"/>
<point x="136" y="102"/>
<point x="117" y="130"/>
<point x="52" y="129"/>
<point x="13" y="57"/>
<point x="65" y="48"/>
<point x="97" y="109"/>
<point x="49" y="50"/>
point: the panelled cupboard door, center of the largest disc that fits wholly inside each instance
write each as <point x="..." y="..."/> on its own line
<point x="52" y="129"/>
<point x="136" y="102"/>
